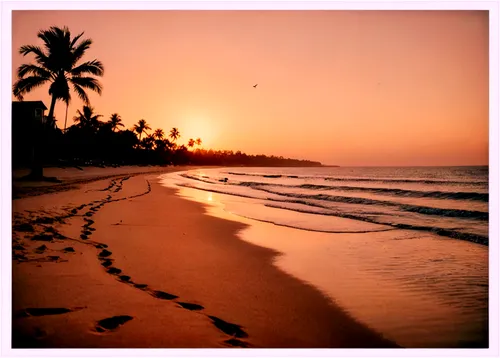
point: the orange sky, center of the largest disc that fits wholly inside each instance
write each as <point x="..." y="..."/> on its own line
<point x="340" y="87"/>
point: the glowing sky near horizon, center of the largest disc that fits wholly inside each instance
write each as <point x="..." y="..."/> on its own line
<point x="341" y="87"/>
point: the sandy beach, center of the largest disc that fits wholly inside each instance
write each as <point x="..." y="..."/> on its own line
<point x="123" y="262"/>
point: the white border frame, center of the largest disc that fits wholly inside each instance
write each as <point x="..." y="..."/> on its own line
<point x="6" y="181"/>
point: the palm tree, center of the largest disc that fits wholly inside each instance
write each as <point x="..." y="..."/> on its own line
<point x="168" y="144"/>
<point x="141" y="127"/>
<point x="160" y="144"/>
<point x="191" y="143"/>
<point x="159" y="134"/>
<point x="198" y="141"/>
<point x="115" y="121"/>
<point x="175" y="134"/>
<point x="57" y="64"/>
<point x="87" y="119"/>
<point x="148" y="142"/>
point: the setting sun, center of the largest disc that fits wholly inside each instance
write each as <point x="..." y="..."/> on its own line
<point x="198" y="127"/>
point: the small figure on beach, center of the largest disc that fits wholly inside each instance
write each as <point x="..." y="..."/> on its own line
<point x="255" y="85"/>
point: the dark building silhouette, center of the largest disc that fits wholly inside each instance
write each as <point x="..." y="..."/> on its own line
<point x="28" y="110"/>
<point x="27" y="116"/>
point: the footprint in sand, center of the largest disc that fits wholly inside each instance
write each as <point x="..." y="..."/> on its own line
<point x="41" y="249"/>
<point x="46" y="311"/>
<point x="111" y="323"/>
<point x="42" y="237"/>
<point x="19" y="257"/>
<point x="107" y="263"/>
<point x="233" y="342"/>
<point x="24" y="227"/>
<point x="163" y="295"/>
<point x="105" y="253"/>
<point x="114" y="271"/>
<point x="45" y="220"/>
<point x="228" y="328"/>
<point x="190" y="306"/>
<point x="59" y="236"/>
<point x="53" y="233"/>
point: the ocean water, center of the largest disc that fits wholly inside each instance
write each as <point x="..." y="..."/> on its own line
<point x="403" y="250"/>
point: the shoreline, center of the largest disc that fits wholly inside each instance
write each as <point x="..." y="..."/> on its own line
<point x="358" y="271"/>
<point x="129" y="238"/>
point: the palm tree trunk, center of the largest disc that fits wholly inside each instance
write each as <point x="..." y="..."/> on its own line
<point x="52" y="107"/>
<point x="66" y="118"/>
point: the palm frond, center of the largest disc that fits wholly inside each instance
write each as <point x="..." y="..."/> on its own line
<point x="93" y="67"/>
<point x="40" y="56"/>
<point x="28" y="68"/>
<point x="87" y="82"/>
<point x="25" y="85"/>
<point x="81" y="93"/>
<point x="51" y="36"/>
<point x="79" y="117"/>
<point x="75" y="39"/>
<point x="27" y="49"/>
<point x="79" y="51"/>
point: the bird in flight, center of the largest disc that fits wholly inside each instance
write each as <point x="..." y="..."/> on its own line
<point x="255" y="86"/>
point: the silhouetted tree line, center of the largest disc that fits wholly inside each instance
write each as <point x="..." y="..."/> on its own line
<point x="230" y="158"/>
<point x="90" y="141"/>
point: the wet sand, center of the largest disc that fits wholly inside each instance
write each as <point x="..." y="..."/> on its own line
<point x="124" y="263"/>
<point x="415" y="288"/>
